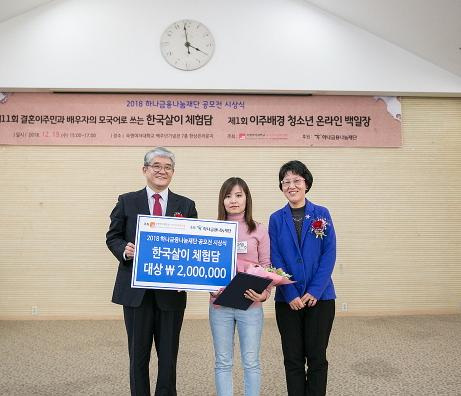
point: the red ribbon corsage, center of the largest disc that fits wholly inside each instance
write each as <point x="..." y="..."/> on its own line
<point x="318" y="227"/>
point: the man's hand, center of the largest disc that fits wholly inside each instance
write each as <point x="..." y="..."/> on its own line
<point x="129" y="251"/>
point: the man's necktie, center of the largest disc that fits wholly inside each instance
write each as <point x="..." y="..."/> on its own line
<point x="157" y="210"/>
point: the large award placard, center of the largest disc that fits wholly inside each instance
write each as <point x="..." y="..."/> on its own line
<point x="179" y="253"/>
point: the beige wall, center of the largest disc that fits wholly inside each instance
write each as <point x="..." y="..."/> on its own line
<point x="396" y="213"/>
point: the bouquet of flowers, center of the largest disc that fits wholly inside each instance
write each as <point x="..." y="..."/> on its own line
<point x="278" y="276"/>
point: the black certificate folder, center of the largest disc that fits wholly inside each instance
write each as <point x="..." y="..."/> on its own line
<point x="232" y="296"/>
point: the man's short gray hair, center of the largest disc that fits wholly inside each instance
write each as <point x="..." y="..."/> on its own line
<point x="158" y="152"/>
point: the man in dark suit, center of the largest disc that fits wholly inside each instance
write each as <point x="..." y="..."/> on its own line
<point x="150" y="315"/>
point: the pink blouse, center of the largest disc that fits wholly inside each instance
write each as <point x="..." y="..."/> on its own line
<point x="257" y="250"/>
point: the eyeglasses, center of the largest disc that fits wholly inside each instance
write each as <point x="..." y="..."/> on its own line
<point x="296" y="182"/>
<point x="157" y="168"/>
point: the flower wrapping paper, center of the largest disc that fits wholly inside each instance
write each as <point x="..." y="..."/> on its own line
<point x="277" y="280"/>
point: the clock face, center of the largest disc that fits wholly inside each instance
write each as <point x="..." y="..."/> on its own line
<point x="187" y="44"/>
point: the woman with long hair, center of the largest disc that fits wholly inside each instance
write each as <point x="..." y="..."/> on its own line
<point x="235" y="204"/>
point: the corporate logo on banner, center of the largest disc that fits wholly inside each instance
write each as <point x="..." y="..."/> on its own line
<point x="162" y="224"/>
<point x="199" y="120"/>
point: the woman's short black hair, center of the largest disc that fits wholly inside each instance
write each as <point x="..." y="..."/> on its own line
<point x="298" y="168"/>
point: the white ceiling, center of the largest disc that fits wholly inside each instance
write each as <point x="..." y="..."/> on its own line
<point x="11" y="8"/>
<point x="430" y="29"/>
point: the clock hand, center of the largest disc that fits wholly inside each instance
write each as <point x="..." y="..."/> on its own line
<point x="197" y="49"/>
<point x="187" y="44"/>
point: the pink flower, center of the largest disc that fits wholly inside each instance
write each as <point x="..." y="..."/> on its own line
<point x="270" y="273"/>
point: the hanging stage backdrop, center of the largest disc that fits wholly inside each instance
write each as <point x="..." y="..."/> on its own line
<point x="199" y="120"/>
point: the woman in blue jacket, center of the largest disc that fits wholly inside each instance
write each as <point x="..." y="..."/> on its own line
<point x="303" y="244"/>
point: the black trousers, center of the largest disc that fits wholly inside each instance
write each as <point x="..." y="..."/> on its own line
<point x="145" y="324"/>
<point x="305" y="334"/>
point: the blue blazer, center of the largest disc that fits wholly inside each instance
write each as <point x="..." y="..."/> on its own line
<point x="311" y="261"/>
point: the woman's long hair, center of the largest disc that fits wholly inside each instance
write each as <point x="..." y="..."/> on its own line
<point x="226" y="188"/>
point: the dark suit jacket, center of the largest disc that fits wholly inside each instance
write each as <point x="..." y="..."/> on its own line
<point x="122" y="230"/>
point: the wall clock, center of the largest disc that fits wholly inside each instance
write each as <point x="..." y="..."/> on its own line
<point x="187" y="44"/>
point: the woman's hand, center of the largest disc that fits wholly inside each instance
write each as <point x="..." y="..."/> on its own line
<point x="216" y="293"/>
<point x="297" y="304"/>
<point x="309" y="300"/>
<point x="253" y="296"/>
